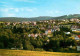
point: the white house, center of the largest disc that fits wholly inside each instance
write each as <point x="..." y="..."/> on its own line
<point x="29" y="35"/>
<point x="46" y="32"/>
<point x="77" y="37"/>
<point x="74" y="30"/>
<point x="78" y="48"/>
<point x="67" y="32"/>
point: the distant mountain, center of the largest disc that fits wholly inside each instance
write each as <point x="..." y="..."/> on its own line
<point x="69" y="16"/>
<point x="19" y="19"/>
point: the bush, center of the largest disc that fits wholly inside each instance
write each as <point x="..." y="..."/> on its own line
<point x="38" y="49"/>
<point x="50" y="50"/>
<point x="1" y="45"/>
<point x="66" y="49"/>
<point x="61" y="49"/>
<point x="30" y="47"/>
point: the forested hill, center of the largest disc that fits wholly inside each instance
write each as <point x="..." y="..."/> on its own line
<point x="69" y="16"/>
<point x="20" y="19"/>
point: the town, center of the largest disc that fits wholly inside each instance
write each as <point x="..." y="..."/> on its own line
<point x="39" y="35"/>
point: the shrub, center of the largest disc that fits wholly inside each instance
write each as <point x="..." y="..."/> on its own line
<point x="30" y="47"/>
<point x="50" y="50"/>
<point x="1" y="45"/>
<point x="66" y="49"/>
<point x="61" y="49"/>
<point x="38" y="49"/>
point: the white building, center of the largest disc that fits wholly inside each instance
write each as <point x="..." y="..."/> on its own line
<point x="78" y="48"/>
<point x="67" y="32"/>
<point x="77" y="38"/>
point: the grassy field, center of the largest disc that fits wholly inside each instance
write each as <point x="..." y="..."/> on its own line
<point x="5" y="52"/>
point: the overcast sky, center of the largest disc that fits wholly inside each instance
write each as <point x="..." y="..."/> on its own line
<point x="35" y="8"/>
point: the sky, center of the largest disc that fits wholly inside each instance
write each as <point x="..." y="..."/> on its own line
<point x="35" y="8"/>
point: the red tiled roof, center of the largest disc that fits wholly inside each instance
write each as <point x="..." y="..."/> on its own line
<point x="79" y="36"/>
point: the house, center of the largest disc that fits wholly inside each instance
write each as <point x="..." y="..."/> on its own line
<point x="48" y="31"/>
<point x="34" y="23"/>
<point x="75" y="27"/>
<point x="36" y="35"/>
<point x="78" y="48"/>
<point x="67" y="32"/>
<point x="8" y="23"/>
<point x="74" y="20"/>
<point x="25" y="22"/>
<point x="56" y="28"/>
<point x="52" y="30"/>
<point x="77" y="37"/>
<point x="29" y="35"/>
<point x="76" y="30"/>
<point x="32" y="35"/>
<point x="79" y="22"/>
<point x="78" y="45"/>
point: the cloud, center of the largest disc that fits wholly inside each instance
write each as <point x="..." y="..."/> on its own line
<point x="18" y="9"/>
<point x="9" y="9"/>
<point x="13" y="12"/>
<point x="26" y="9"/>
<point x="30" y="1"/>
<point x="4" y="10"/>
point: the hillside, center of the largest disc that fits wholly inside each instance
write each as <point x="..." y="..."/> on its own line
<point x="20" y="19"/>
<point x="5" y="52"/>
<point x="69" y="16"/>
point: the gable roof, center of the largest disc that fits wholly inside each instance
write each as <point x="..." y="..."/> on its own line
<point x="79" y="36"/>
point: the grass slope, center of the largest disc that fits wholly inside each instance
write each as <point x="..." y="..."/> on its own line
<point x="5" y="52"/>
